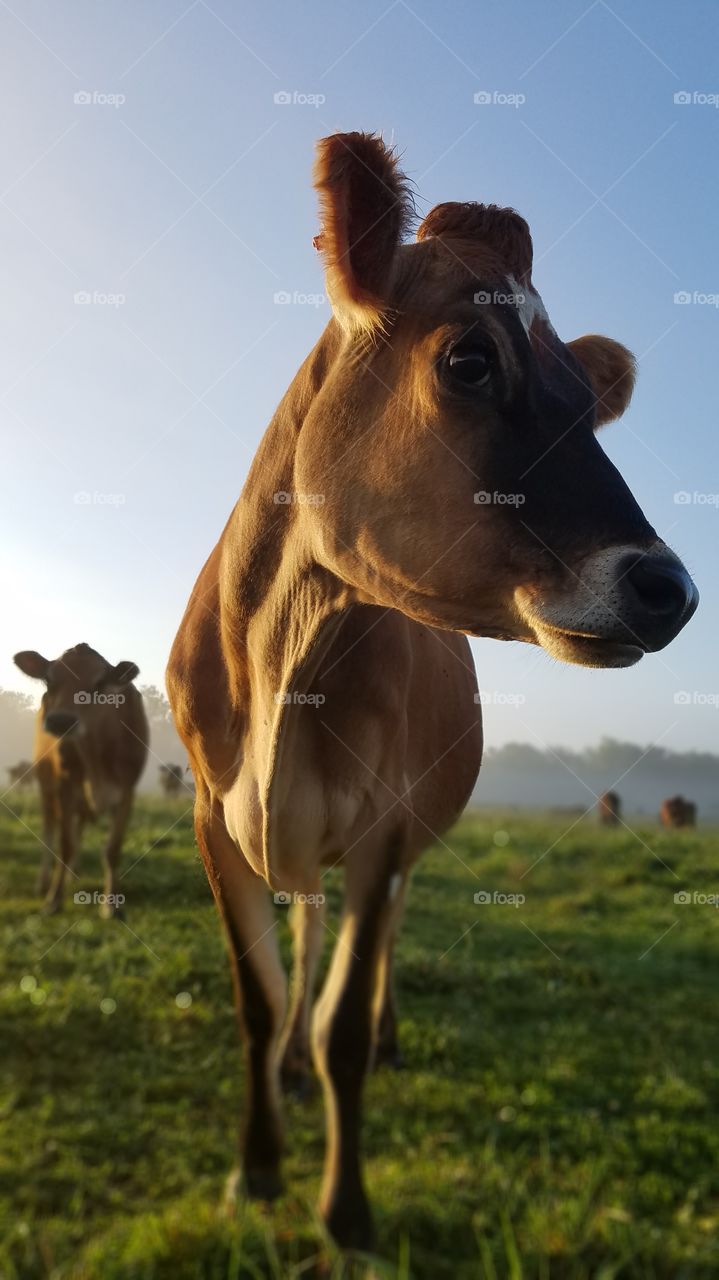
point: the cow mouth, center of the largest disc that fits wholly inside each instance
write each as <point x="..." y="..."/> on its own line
<point x="588" y="650"/>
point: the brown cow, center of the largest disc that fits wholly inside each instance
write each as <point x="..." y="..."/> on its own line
<point x="431" y="470"/>
<point x="676" y="812"/>
<point x="610" y="809"/>
<point x="21" y="774"/>
<point x="171" y="778"/>
<point x="90" y="749"/>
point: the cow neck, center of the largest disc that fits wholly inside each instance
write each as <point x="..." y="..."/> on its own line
<point x="279" y="607"/>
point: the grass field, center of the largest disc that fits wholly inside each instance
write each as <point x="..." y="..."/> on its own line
<point x="556" y="1118"/>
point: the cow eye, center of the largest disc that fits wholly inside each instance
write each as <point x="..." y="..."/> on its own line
<point x="470" y="366"/>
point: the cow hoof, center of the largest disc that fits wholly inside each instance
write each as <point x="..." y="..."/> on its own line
<point x="263" y="1183"/>
<point x="350" y="1225"/>
<point x="51" y="906"/>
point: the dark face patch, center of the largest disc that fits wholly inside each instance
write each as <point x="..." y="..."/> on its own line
<point x="531" y="436"/>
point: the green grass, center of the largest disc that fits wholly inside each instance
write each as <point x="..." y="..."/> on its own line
<point x="557" y="1117"/>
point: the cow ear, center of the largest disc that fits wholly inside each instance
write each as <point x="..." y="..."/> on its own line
<point x="611" y="370"/>
<point x="123" y="673"/>
<point x="32" y="663"/>
<point x="365" y="206"/>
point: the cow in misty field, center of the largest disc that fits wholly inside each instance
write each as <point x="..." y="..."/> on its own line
<point x="431" y="472"/>
<point x="676" y="812"/>
<point x="609" y="809"/>
<point x="90" y="748"/>
<point x="21" y="774"/>
<point x="171" y="778"/>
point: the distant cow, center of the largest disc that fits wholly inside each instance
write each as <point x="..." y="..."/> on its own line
<point x="90" y="749"/>
<point x="610" y="809"/>
<point x="171" y="778"/>
<point x="21" y="774"/>
<point x="677" y="812"/>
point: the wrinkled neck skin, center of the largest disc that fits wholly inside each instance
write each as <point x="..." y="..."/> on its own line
<point x="279" y="607"/>
<point x="275" y="595"/>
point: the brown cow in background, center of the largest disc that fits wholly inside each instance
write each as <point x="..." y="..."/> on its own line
<point x="90" y="748"/>
<point x="610" y="809"/>
<point x="171" y="778"/>
<point x="676" y="812"/>
<point x="21" y="774"/>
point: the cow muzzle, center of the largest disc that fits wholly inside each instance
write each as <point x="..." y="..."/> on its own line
<point x="60" y="723"/>
<point x="622" y="603"/>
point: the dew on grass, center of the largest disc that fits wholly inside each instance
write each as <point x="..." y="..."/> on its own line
<point x="108" y="1005"/>
<point x="501" y="838"/>
<point x="28" y="983"/>
<point x="183" y="999"/>
<point x="38" y="996"/>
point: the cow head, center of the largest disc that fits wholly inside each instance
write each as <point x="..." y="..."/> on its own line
<point x="454" y="437"/>
<point x="80" y="686"/>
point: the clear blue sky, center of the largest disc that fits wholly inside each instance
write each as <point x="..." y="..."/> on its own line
<point x="192" y="199"/>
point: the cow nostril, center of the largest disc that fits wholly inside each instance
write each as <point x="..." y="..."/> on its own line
<point x="664" y="589"/>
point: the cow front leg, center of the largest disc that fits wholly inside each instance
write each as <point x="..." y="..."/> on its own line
<point x="49" y="831"/>
<point x="387" y="1049"/>
<point x="260" y="986"/>
<point x="119" y="818"/>
<point x="342" y="1042"/>
<point x="68" y="804"/>
<point x="307" y="923"/>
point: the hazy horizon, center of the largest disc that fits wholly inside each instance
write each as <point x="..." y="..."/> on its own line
<point x="515" y="775"/>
